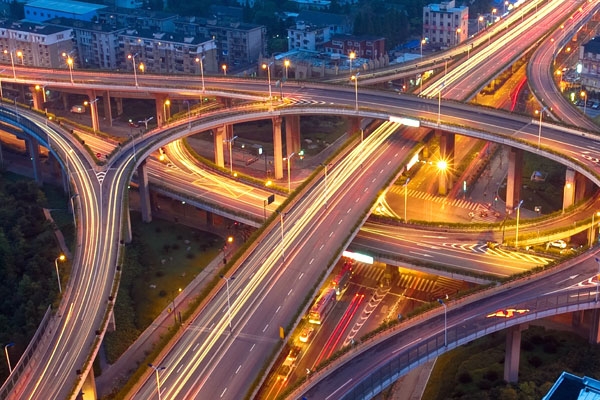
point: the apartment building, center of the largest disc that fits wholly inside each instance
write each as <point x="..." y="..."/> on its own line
<point x="445" y="25"/>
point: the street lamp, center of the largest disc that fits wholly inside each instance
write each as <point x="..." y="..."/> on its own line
<point x="11" y="344"/>
<point x="351" y="57"/>
<point x="43" y="89"/>
<point x="268" y="68"/>
<point x="69" y="64"/>
<point x="423" y="41"/>
<point x="224" y="68"/>
<point x="230" y="142"/>
<point x="355" y="79"/>
<point x="132" y="58"/>
<point x="166" y="104"/>
<point x="156" y="370"/>
<point x="458" y="31"/>
<point x="61" y="258"/>
<point x="173" y="300"/>
<point x="592" y="228"/>
<point x="597" y="277"/>
<point x="540" y="112"/>
<point x="405" y="198"/>
<point x="228" y="303"/>
<point x="12" y="62"/>
<point x="445" y="322"/>
<point x="20" y="54"/>
<point x="583" y="95"/>
<point x="479" y="23"/>
<point x="289" y="172"/>
<point x="286" y="64"/>
<point x="517" y="231"/>
<point x="199" y="60"/>
<point x="505" y="4"/>
<point x="494" y="11"/>
<point x="142" y="68"/>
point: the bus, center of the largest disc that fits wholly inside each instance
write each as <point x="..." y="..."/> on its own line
<point x="322" y="306"/>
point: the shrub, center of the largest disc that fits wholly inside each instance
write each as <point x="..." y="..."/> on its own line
<point x="465" y="377"/>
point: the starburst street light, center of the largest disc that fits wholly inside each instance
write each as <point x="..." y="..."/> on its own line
<point x="132" y="58"/>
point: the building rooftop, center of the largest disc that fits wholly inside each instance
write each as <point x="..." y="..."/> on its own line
<point x="572" y="387"/>
<point x="83" y="25"/>
<point x="73" y="7"/>
<point x="593" y="46"/>
<point x="28" y="26"/>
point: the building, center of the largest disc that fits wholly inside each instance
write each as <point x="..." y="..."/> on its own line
<point x="338" y="24"/>
<point x="96" y="44"/>
<point x="312" y="4"/>
<point x="304" y="36"/>
<point x="43" y="10"/>
<point x="33" y="44"/>
<point x="167" y="52"/>
<point x="569" y="386"/>
<point x="445" y="25"/>
<point x="137" y="19"/>
<point x="589" y="64"/>
<point x="369" y="47"/>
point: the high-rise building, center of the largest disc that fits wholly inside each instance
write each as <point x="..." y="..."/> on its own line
<point x="445" y="25"/>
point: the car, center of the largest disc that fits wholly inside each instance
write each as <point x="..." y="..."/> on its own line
<point x="134" y="124"/>
<point x="78" y="109"/>
<point x="306" y="334"/>
<point x="561" y="244"/>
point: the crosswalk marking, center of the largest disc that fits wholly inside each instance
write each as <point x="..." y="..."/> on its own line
<point x="417" y="194"/>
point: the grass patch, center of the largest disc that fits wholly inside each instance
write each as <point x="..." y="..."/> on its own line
<point x="162" y="258"/>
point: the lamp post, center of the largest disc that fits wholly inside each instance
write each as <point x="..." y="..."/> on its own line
<point x="479" y="23"/>
<point x="6" y="346"/>
<point x="12" y="62"/>
<point x="355" y="79"/>
<point x="517" y="230"/>
<point x="20" y="54"/>
<point x="230" y="142"/>
<point x="289" y="172"/>
<point x="445" y="322"/>
<point x="173" y="304"/>
<point x="540" y="112"/>
<point x="423" y="41"/>
<point x="351" y="57"/>
<point x="69" y="64"/>
<point x="504" y="9"/>
<point x="268" y="68"/>
<point x="37" y="87"/>
<point x="132" y="58"/>
<point x="228" y="302"/>
<point x="405" y="198"/>
<point x="593" y="229"/>
<point x="61" y="258"/>
<point x="156" y="370"/>
<point x="597" y="277"/>
<point x="440" y="103"/>
<point x="224" y="68"/>
<point x="583" y="95"/>
<point x="458" y="31"/>
<point x="166" y="104"/>
<point x="286" y="64"/>
<point x="199" y="60"/>
<point x="494" y="11"/>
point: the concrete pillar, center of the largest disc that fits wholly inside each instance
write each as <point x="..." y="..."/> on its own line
<point x="37" y="96"/>
<point x="277" y="148"/>
<point x="355" y="124"/>
<point x="107" y="109"/>
<point x="33" y="148"/>
<point x="595" y="326"/>
<point x="88" y="390"/>
<point x="583" y="187"/>
<point x="209" y="219"/>
<point x="93" y="104"/>
<point x="513" y="353"/>
<point x="447" y="141"/>
<point x="119" y="105"/>
<point x="292" y="134"/>
<point x="144" y="190"/>
<point x="577" y="318"/>
<point x="161" y="109"/>
<point x="569" y="189"/>
<point x="65" y="100"/>
<point x="513" y="179"/>
<point x="219" y="136"/>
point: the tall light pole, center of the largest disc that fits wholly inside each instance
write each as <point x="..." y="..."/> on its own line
<point x="440" y="103"/>
<point x="445" y="322"/>
<point x="166" y="104"/>
<point x="224" y="68"/>
<point x="597" y="277"/>
<point x="230" y="142"/>
<point x="268" y="68"/>
<point x="458" y="31"/>
<point x="69" y="62"/>
<point x="541" y="113"/>
<point x="12" y="62"/>
<point x="199" y="60"/>
<point x="11" y="344"/>
<point x="423" y="41"/>
<point x="351" y="57"/>
<point x="286" y="64"/>
<point x="228" y="303"/>
<point x="132" y="58"/>
<point x="583" y="95"/>
<point x="405" y="198"/>
<point x="156" y="370"/>
<point x="289" y="172"/>
<point x="479" y="23"/>
<point x="355" y="79"/>
<point x="61" y="258"/>
<point x="517" y="231"/>
<point x="593" y="228"/>
<point x="20" y="54"/>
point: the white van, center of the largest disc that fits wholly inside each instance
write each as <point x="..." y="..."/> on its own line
<point x="78" y="109"/>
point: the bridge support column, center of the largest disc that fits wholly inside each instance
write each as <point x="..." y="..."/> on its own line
<point x="513" y="179"/>
<point x="93" y="109"/>
<point x="277" y="148"/>
<point x="38" y="97"/>
<point x="119" y="105"/>
<point x="595" y="326"/>
<point x="292" y="134"/>
<point x="447" y="141"/>
<point x="355" y="124"/>
<point x="219" y="141"/>
<point x="33" y="148"/>
<point x="210" y="220"/>
<point x="583" y="187"/>
<point x="107" y="109"/>
<point x="88" y="390"/>
<point x="577" y="318"/>
<point x="513" y="353"/>
<point x="569" y="189"/>
<point x="161" y="109"/>
<point x="142" y="174"/>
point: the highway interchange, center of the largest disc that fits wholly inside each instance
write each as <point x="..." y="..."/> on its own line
<point x="101" y="244"/>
